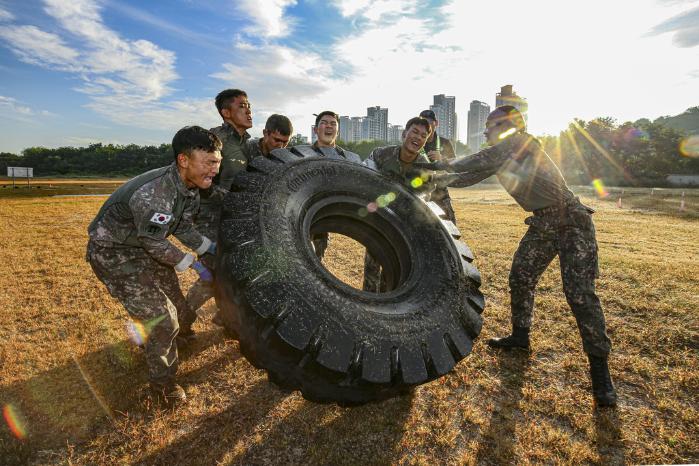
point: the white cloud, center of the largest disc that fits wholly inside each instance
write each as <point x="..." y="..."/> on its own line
<point x="37" y="47"/>
<point x="6" y="15"/>
<point x="375" y="10"/>
<point x="267" y="16"/>
<point x="12" y="109"/>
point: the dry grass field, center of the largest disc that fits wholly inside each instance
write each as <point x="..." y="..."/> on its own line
<point x="73" y="389"/>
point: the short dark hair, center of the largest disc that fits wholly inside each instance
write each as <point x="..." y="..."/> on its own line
<point x="279" y="123"/>
<point x="191" y="138"/>
<point x="429" y="114"/>
<point x="327" y="112"/>
<point x="508" y="114"/>
<point x="420" y="121"/>
<point x="225" y="97"/>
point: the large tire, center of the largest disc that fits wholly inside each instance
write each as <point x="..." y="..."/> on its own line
<point x="311" y="331"/>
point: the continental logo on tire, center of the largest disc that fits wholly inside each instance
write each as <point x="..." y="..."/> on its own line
<point x="296" y="183"/>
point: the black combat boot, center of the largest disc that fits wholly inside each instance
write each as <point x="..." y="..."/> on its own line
<point x="518" y="339"/>
<point x="602" y="387"/>
<point x="185" y="336"/>
<point x="168" y="393"/>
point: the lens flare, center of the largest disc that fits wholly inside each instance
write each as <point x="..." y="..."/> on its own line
<point x="599" y="188"/>
<point x="507" y="133"/>
<point x="391" y="197"/>
<point x="372" y="207"/>
<point x="363" y="212"/>
<point x="689" y="147"/>
<point x="635" y="134"/>
<point x="13" y="420"/>
<point x="416" y="182"/>
<point x="138" y="331"/>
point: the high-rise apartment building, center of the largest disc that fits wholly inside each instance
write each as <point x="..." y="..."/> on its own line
<point x="314" y="136"/>
<point x="444" y="108"/>
<point x="395" y="134"/>
<point x="507" y="96"/>
<point x="477" y="114"/>
<point x="380" y="129"/>
<point x="345" y="129"/>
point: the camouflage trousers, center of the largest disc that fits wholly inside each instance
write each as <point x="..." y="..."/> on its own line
<point x="320" y="244"/>
<point x="206" y="222"/>
<point x="570" y="235"/>
<point x="374" y="281"/>
<point x="151" y="294"/>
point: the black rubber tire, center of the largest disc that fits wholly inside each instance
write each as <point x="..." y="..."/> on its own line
<point x="311" y="331"/>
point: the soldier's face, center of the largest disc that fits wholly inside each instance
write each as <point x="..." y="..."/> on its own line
<point x="273" y="140"/>
<point x="238" y="113"/>
<point x="199" y="168"/>
<point x="494" y="128"/>
<point x="414" y="138"/>
<point x="327" y="131"/>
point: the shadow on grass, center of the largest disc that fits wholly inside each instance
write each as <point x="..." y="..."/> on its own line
<point x="74" y="402"/>
<point x="311" y="434"/>
<point x="610" y="446"/>
<point x="498" y="443"/>
<point x="369" y="434"/>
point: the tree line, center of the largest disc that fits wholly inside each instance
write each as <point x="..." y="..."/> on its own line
<point x="638" y="153"/>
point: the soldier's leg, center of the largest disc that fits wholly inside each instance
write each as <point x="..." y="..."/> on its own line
<point x="579" y="269"/>
<point x="320" y="244"/>
<point x="166" y="279"/>
<point x="128" y="276"/>
<point x="207" y="223"/>
<point x="535" y="252"/>
<point x="372" y="274"/>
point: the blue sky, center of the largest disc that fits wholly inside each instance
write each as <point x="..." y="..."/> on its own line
<point x="83" y="71"/>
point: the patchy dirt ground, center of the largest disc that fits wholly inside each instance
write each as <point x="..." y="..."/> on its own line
<point x="72" y="387"/>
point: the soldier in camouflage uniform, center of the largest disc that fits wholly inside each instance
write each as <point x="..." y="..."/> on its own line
<point x="438" y="148"/>
<point x="396" y="162"/>
<point x="129" y="251"/>
<point x="326" y="129"/>
<point x="236" y="112"/>
<point x="561" y="226"/>
<point x="276" y="135"/>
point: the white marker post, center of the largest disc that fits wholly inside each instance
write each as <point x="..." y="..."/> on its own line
<point x="618" y="202"/>
<point x="682" y="208"/>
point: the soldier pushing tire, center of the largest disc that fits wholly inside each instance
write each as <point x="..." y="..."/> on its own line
<point x="305" y="327"/>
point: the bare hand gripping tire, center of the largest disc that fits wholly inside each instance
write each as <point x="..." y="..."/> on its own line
<point x="311" y="331"/>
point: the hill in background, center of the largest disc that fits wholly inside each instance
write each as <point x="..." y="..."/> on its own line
<point x="687" y="121"/>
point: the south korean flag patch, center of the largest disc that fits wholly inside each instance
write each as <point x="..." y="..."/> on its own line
<point x="160" y="219"/>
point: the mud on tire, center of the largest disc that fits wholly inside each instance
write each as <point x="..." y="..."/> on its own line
<point x="314" y="333"/>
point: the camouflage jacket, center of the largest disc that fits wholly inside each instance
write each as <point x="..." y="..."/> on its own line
<point x="387" y="161"/>
<point x="523" y="168"/>
<point x="253" y="148"/>
<point x="147" y="209"/>
<point x="336" y="152"/>
<point x="234" y="153"/>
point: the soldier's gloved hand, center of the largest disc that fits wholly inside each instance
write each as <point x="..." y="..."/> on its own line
<point x="204" y="274"/>
<point x="443" y="180"/>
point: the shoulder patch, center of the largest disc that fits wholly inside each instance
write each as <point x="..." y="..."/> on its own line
<point x="161" y="219"/>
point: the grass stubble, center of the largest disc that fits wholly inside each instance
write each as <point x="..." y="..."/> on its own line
<point x="79" y="386"/>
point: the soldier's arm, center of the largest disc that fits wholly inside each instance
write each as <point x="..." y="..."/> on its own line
<point x="152" y="220"/>
<point x="229" y="167"/>
<point x="472" y="169"/>
<point x="187" y="234"/>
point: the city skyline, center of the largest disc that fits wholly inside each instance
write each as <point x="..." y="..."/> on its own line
<point x="75" y="73"/>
